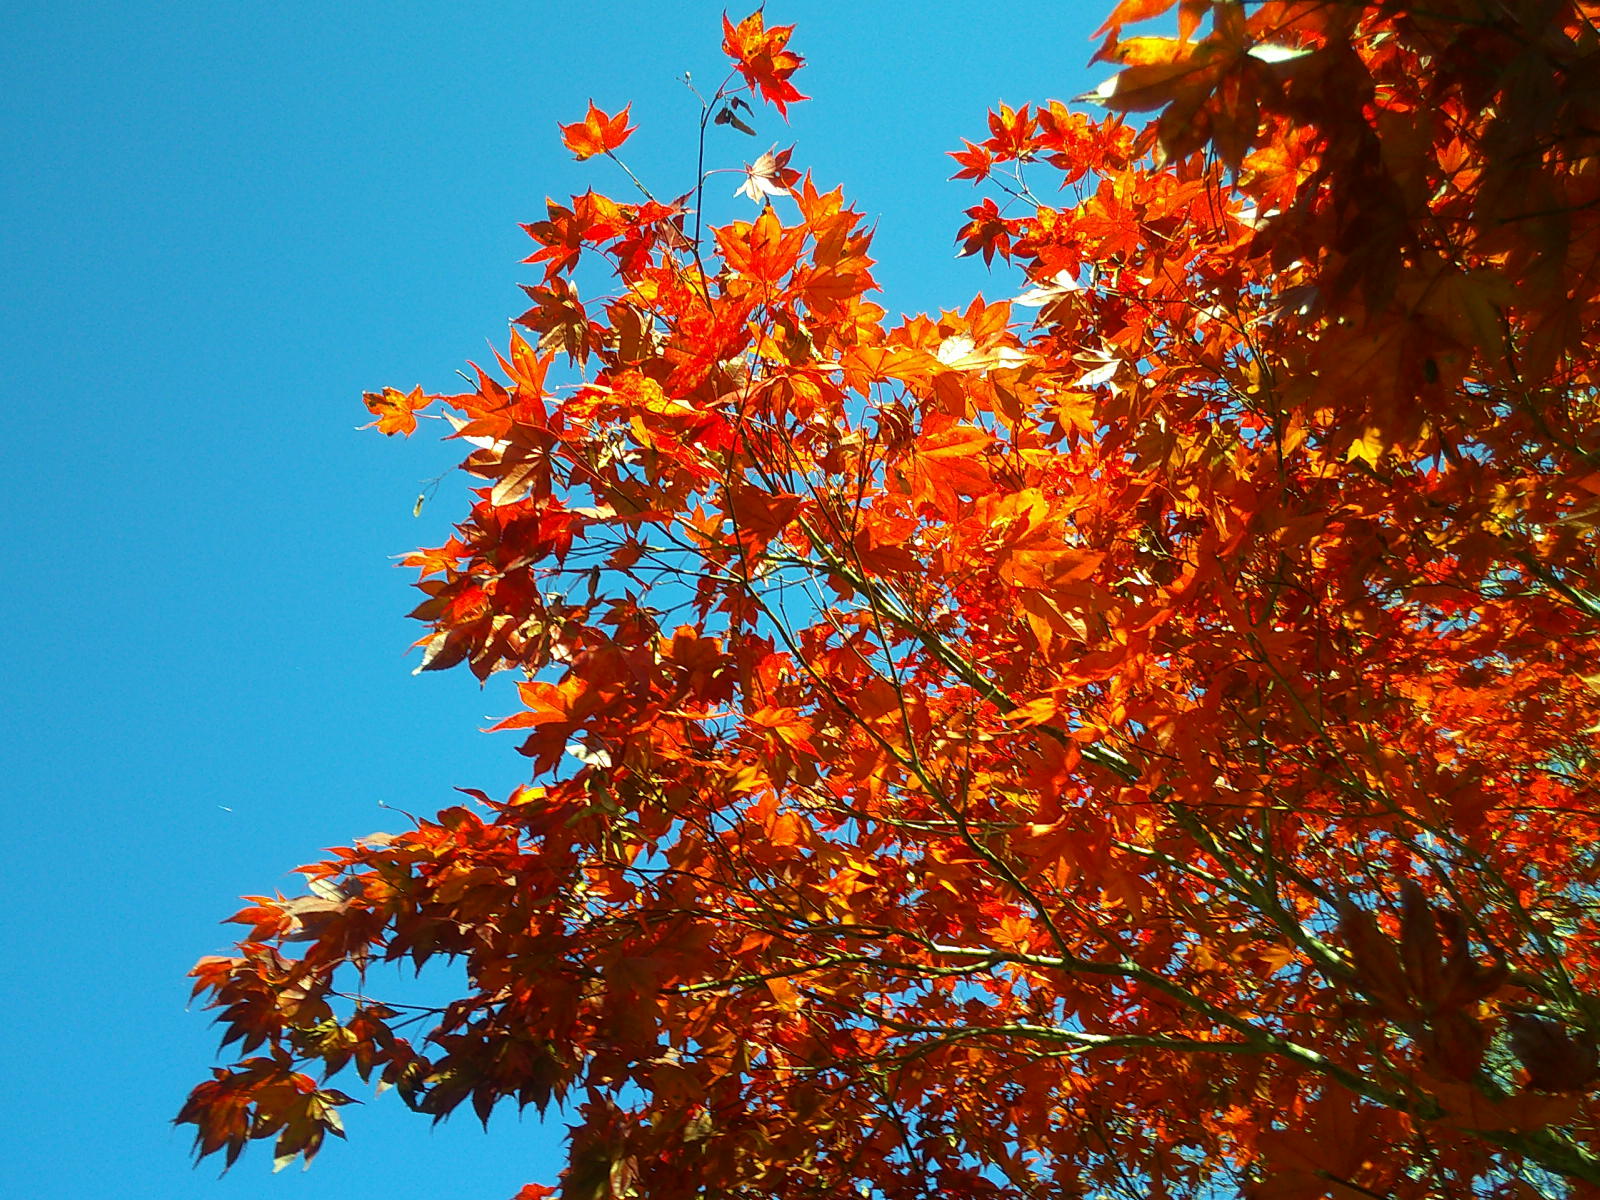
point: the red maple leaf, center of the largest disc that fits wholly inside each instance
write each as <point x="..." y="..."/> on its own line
<point x="597" y="133"/>
<point x="395" y="410"/>
<point x="762" y="58"/>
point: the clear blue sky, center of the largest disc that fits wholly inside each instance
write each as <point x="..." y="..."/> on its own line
<point x="220" y="222"/>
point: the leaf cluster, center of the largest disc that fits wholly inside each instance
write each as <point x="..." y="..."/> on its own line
<point x="1147" y="751"/>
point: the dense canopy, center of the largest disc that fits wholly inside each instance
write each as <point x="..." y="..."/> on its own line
<point x="1133" y="739"/>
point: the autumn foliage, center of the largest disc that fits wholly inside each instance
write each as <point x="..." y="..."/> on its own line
<point x="1133" y="739"/>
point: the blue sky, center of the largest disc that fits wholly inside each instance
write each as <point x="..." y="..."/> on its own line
<point x="219" y="224"/>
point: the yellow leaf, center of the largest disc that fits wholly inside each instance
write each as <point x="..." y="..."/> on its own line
<point x="1369" y="447"/>
<point x="785" y="994"/>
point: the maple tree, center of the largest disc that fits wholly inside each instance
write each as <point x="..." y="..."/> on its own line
<point x="1149" y="751"/>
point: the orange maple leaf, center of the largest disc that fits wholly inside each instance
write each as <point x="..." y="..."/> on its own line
<point x="597" y="133"/>
<point x="785" y="724"/>
<point x="976" y="162"/>
<point x="762" y="58"/>
<point x="395" y="410"/>
<point x="1131" y="11"/>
